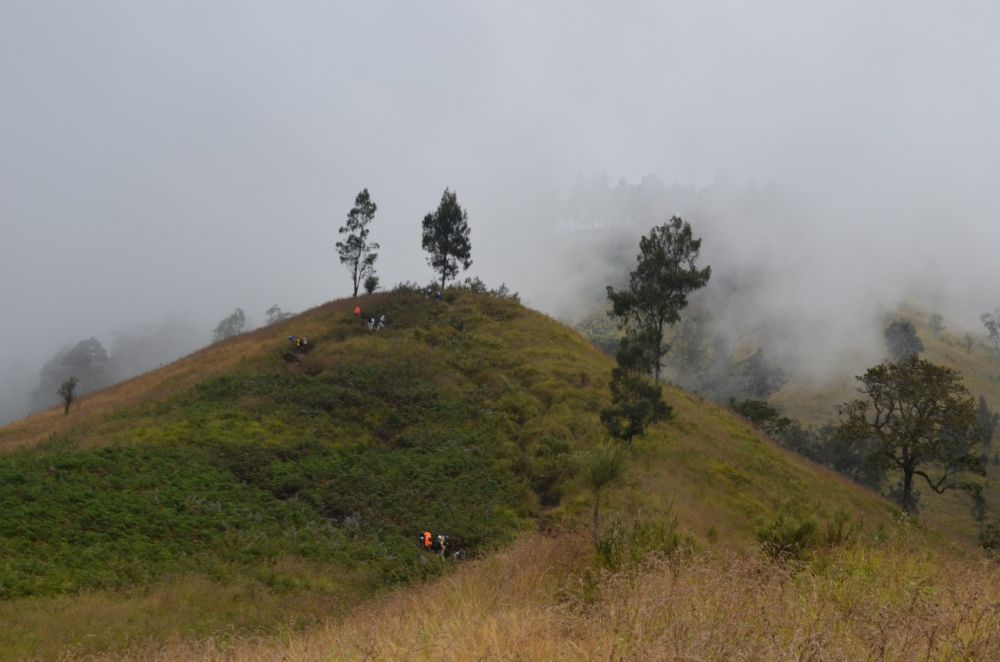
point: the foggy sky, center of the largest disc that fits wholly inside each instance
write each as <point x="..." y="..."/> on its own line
<point x="185" y="158"/>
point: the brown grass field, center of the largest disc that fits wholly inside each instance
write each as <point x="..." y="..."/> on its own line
<point x="542" y="600"/>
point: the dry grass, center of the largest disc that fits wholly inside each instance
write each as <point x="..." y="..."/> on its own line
<point x="541" y="600"/>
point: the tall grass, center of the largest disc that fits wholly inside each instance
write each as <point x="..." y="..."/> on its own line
<point x="878" y="602"/>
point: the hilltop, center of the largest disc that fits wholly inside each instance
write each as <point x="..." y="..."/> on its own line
<point x="247" y="487"/>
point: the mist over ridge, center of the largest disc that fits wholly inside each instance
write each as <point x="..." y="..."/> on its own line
<point x="186" y="159"/>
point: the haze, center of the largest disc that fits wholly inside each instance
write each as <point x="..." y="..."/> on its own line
<point x="179" y="159"/>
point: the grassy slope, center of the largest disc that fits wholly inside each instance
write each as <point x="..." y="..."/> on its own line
<point x="235" y="490"/>
<point x="817" y="405"/>
<point x="541" y="600"/>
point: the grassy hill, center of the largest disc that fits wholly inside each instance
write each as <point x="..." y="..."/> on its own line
<point x="245" y="489"/>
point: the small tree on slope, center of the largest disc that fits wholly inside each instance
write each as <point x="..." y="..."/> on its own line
<point x="67" y="391"/>
<point x="601" y="466"/>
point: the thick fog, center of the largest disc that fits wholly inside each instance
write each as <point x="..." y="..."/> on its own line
<point x="162" y="163"/>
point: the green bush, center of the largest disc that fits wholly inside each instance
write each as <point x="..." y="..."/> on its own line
<point x="789" y="538"/>
<point x="627" y="541"/>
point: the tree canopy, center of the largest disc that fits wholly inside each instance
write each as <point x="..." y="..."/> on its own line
<point x="922" y="422"/>
<point x="446" y="238"/>
<point x="636" y="403"/>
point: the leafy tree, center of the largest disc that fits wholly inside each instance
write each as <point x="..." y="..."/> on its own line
<point x="446" y="238"/>
<point x="276" y="314"/>
<point x="88" y="356"/>
<point x="67" y="393"/>
<point x="901" y="340"/>
<point x="635" y="405"/>
<point x="987" y="421"/>
<point x="967" y="343"/>
<point x="230" y="326"/>
<point x="356" y="252"/>
<point x="658" y="287"/>
<point x="87" y="361"/>
<point x="371" y="283"/>
<point x="601" y="466"/>
<point x="921" y="421"/>
<point x="936" y="322"/>
<point x="992" y="324"/>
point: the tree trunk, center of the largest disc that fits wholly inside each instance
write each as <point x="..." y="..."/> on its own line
<point x="442" y="281"/>
<point x="66" y="411"/>
<point x="908" y="505"/>
<point x="658" y="355"/>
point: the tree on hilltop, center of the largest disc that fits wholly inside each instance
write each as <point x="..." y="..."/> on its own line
<point x="86" y="361"/>
<point x="230" y="326"/>
<point x="446" y="238"/>
<point x="665" y="274"/>
<point x="356" y="252"/>
<point x="901" y="340"/>
<point x="276" y="314"/>
<point x="921" y="421"/>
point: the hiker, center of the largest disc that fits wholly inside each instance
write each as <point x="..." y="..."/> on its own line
<point x="441" y="544"/>
<point x="357" y="311"/>
<point x="381" y="322"/>
<point x="291" y="339"/>
<point x="305" y="341"/>
<point x="371" y="324"/>
<point x="427" y="540"/>
<point x="437" y="296"/>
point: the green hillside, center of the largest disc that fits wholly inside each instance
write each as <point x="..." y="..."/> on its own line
<point x="247" y="488"/>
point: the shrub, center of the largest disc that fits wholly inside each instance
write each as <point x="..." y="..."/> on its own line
<point x="627" y="542"/>
<point x="789" y="538"/>
<point x="989" y="538"/>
